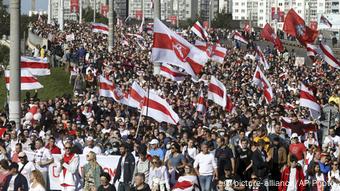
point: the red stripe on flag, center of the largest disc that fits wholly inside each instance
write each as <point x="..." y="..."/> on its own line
<point x="199" y="30"/>
<point x="329" y="55"/>
<point x="40" y="65"/>
<point x="175" y="74"/>
<point x="161" y="40"/>
<point x="219" y="53"/>
<point x="196" y="67"/>
<point x="215" y="89"/>
<point x="105" y="86"/>
<point x="135" y="95"/>
<point x="101" y="28"/>
<point x="306" y="95"/>
<point x="157" y="106"/>
<point x="24" y="79"/>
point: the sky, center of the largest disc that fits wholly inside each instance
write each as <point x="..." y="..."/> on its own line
<point x="41" y="5"/>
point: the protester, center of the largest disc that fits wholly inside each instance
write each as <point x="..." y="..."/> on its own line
<point x="15" y="181"/>
<point x="125" y="169"/>
<point x="105" y="183"/>
<point x="69" y="165"/>
<point x="91" y="172"/>
<point x="37" y="181"/>
<point x="26" y="167"/>
<point x="139" y="184"/>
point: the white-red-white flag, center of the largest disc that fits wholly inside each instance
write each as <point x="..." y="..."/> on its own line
<point x="217" y="92"/>
<point x="216" y="53"/>
<point x="201" y="103"/>
<point x="238" y="36"/>
<point x="262" y="58"/>
<point x="136" y="96"/>
<point x="37" y="66"/>
<point x="172" y="73"/>
<point x="325" y="21"/>
<point x="28" y="81"/>
<point x="106" y="87"/>
<point x="260" y="80"/>
<point x="169" y="47"/>
<point x="328" y="56"/>
<point x="230" y="106"/>
<point x="312" y="50"/>
<point x="308" y="99"/>
<point x="299" y="127"/>
<point x="183" y="186"/>
<point x="100" y="28"/>
<point x="159" y="109"/>
<point x="199" y="31"/>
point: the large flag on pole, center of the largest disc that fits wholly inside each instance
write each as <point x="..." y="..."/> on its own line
<point x="136" y="95"/>
<point x="262" y="58"/>
<point x="217" y="92"/>
<point x="308" y="99"/>
<point x="214" y="52"/>
<point x="169" y="47"/>
<point x="28" y="81"/>
<point x="159" y="109"/>
<point x="269" y="35"/>
<point x="295" y="26"/>
<point x="325" y="21"/>
<point x="37" y="66"/>
<point x="172" y="73"/>
<point x="200" y="103"/>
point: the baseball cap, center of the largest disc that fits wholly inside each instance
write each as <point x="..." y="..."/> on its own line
<point x="154" y="142"/>
<point x="294" y="135"/>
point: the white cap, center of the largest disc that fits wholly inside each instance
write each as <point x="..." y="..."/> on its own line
<point x="154" y="142"/>
<point x="294" y="135"/>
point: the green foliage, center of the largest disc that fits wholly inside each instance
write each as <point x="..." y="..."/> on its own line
<point x="187" y="23"/>
<point x="4" y="55"/>
<point x="88" y="17"/>
<point x="54" y="85"/>
<point x="224" y="20"/>
<point x="4" y="19"/>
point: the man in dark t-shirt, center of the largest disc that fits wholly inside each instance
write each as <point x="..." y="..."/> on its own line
<point x="225" y="158"/>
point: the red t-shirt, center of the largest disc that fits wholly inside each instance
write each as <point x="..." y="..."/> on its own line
<point x="297" y="150"/>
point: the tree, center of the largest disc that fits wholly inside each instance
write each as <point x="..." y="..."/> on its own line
<point x="4" y="19"/>
<point x="88" y="17"/>
<point x="4" y="55"/>
<point x="224" y="20"/>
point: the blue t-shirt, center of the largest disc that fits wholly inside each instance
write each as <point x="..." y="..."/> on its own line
<point x="157" y="152"/>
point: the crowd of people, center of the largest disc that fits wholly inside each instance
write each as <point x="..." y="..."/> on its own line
<point x="245" y="149"/>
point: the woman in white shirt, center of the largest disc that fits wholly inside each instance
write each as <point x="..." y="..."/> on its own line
<point x="190" y="151"/>
<point x="158" y="175"/>
<point x="334" y="177"/>
<point x="38" y="183"/>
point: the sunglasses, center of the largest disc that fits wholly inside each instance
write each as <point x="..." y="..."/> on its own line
<point x="67" y="147"/>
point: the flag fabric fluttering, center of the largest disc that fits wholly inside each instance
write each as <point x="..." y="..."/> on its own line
<point x="136" y="95"/>
<point x="300" y="127"/>
<point x="158" y="109"/>
<point x="217" y="92"/>
<point x="37" y="66"/>
<point x="173" y="49"/>
<point x="214" y="52"/>
<point x="183" y="186"/>
<point x="106" y="87"/>
<point x="295" y="26"/>
<point x="308" y="99"/>
<point x="100" y="28"/>
<point x="230" y="106"/>
<point x="262" y="58"/>
<point x="312" y="51"/>
<point x="328" y="56"/>
<point x="172" y="73"/>
<point x="261" y="81"/>
<point x="201" y="103"/>
<point x="28" y="81"/>
<point x="269" y="35"/>
<point x="238" y="36"/>
<point x="325" y="21"/>
<point x="199" y="31"/>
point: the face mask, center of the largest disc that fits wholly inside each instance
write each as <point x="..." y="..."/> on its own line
<point x="222" y="133"/>
<point x="114" y="149"/>
<point x="168" y="146"/>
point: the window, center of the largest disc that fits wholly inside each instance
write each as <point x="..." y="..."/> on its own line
<point x="236" y="10"/>
<point x="299" y="11"/>
<point x="242" y="18"/>
<point x="236" y="17"/>
<point x="243" y="4"/>
<point x="236" y="3"/>
<point x="261" y="10"/>
<point x="243" y="11"/>
<point x="260" y="18"/>
<point x="280" y="4"/>
<point x="299" y="4"/>
<point x="320" y="4"/>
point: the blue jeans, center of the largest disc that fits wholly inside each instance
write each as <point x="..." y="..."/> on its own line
<point x="206" y="182"/>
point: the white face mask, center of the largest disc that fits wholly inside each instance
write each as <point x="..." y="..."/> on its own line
<point x="168" y="146"/>
<point x="114" y="149"/>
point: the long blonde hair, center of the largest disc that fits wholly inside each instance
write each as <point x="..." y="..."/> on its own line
<point x="38" y="177"/>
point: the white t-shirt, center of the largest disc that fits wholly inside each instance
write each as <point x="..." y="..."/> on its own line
<point x="206" y="164"/>
<point x="11" y="183"/>
<point x="95" y="149"/>
<point x="121" y="179"/>
<point x="42" y="155"/>
<point x="292" y="180"/>
<point x="26" y="171"/>
<point x="37" y="188"/>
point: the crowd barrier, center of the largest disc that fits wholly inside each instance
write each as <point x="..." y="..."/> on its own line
<point x="108" y="163"/>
